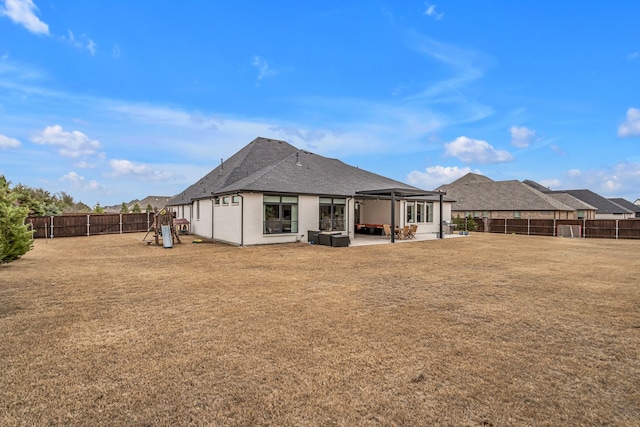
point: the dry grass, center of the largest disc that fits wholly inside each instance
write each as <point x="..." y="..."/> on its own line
<point x="490" y="330"/>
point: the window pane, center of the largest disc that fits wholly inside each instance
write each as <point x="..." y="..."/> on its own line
<point x="410" y="212"/>
<point x="325" y="218"/>
<point x="420" y="212"/>
<point x="235" y="199"/>
<point x="339" y="201"/>
<point x="338" y="218"/>
<point x="272" y="199"/>
<point x="289" y="199"/>
<point x="430" y="212"/>
<point x="325" y="200"/>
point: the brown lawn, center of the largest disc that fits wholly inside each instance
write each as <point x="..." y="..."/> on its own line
<point x="488" y="330"/>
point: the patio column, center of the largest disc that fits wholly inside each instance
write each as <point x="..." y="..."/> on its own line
<point x="441" y="235"/>
<point x="393" y="216"/>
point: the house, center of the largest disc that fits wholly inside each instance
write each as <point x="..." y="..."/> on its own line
<point x="627" y="205"/>
<point x="605" y="208"/>
<point x="156" y="202"/>
<point x="481" y="197"/>
<point x="272" y="192"/>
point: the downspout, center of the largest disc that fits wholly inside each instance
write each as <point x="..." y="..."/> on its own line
<point x="213" y="206"/>
<point x="241" y="219"/>
<point x="441" y="235"/>
<point x="393" y="217"/>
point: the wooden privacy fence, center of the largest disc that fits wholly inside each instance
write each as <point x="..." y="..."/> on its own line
<point x="590" y="228"/>
<point x="89" y="224"/>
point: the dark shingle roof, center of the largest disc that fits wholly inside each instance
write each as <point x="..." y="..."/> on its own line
<point x="501" y="196"/>
<point x="626" y="204"/>
<point x="268" y="165"/>
<point x="603" y="205"/>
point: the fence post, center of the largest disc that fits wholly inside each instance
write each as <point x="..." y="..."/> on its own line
<point x="584" y="228"/>
<point x="528" y="226"/>
<point x="505" y="226"/>
<point x="51" y="233"/>
<point x="554" y="227"/>
<point x="120" y="222"/>
<point x="617" y="228"/>
<point x="88" y="223"/>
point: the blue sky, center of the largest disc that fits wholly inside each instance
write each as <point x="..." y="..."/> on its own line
<point x="118" y="100"/>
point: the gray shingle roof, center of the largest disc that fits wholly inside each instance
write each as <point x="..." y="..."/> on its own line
<point x="569" y="200"/>
<point x="501" y="196"/>
<point x="603" y="205"/>
<point x="268" y="165"/>
<point x="626" y="204"/>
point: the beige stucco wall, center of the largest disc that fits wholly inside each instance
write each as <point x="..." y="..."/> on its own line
<point x="223" y="222"/>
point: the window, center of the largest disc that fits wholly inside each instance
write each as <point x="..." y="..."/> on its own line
<point x="197" y="209"/>
<point x="216" y="201"/>
<point x="332" y="214"/>
<point x="485" y="214"/>
<point x="429" y="207"/>
<point x="420" y="211"/>
<point x="235" y="200"/>
<point x="411" y="209"/>
<point x="280" y="214"/>
<point x="225" y="200"/>
<point x="580" y="214"/>
<point x="516" y="215"/>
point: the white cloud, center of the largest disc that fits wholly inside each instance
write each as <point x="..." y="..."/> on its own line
<point x="633" y="55"/>
<point x="435" y="176"/>
<point x="85" y="165"/>
<point x="631" y="126"/>
<point x="128" y="168"/>
<point x="521" y="137"/>
<point x="552" y="184"/>
<point x="83" y="43"/>
<point x="71" y="144"/>
<point x="264" y="70"/>
<point x="6" y="142"/>
<point x="574" y="172"/>
<point x="79" y="182"/>
<point x="23" y="12"/>
<point x="91" y="45"/>
<point x="471" y="150"/>
<point x="432" y="12"/>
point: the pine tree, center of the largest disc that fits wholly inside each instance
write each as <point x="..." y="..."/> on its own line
<point x="124" y="208"/>
<point x="136" y="208"/>
<point x="15" y="237"/>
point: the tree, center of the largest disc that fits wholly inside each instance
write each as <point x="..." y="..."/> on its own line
<point x="98" y="209"/>
<point x="136" y="208"/>
<point x="149" y="208"/>
<point x="465" y="224"/>
<point x="124" y="208"/>
<point x="15" y="237"/>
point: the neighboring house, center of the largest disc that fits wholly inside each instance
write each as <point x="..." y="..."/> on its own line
<point x="637" y="202"/>
<point x="272" y="192"/>
<point x="481" y="197"/>
<point x="156" y="202"/>
<point x="627" y="205"/>
<point x="605" y="208"/>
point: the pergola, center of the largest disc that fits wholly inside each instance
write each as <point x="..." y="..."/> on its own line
<point x="404" y="193"/>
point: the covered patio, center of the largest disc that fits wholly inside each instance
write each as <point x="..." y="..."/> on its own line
<point x="390" y="197"/>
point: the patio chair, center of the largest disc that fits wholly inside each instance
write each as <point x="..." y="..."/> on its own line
<point x="387" y="230"/>
<point x="412" y="231"/>
<point x="404" y="233"/>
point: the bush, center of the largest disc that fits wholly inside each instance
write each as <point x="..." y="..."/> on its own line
<point x="465" y="224"/>
<point x="15" y="236"/>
